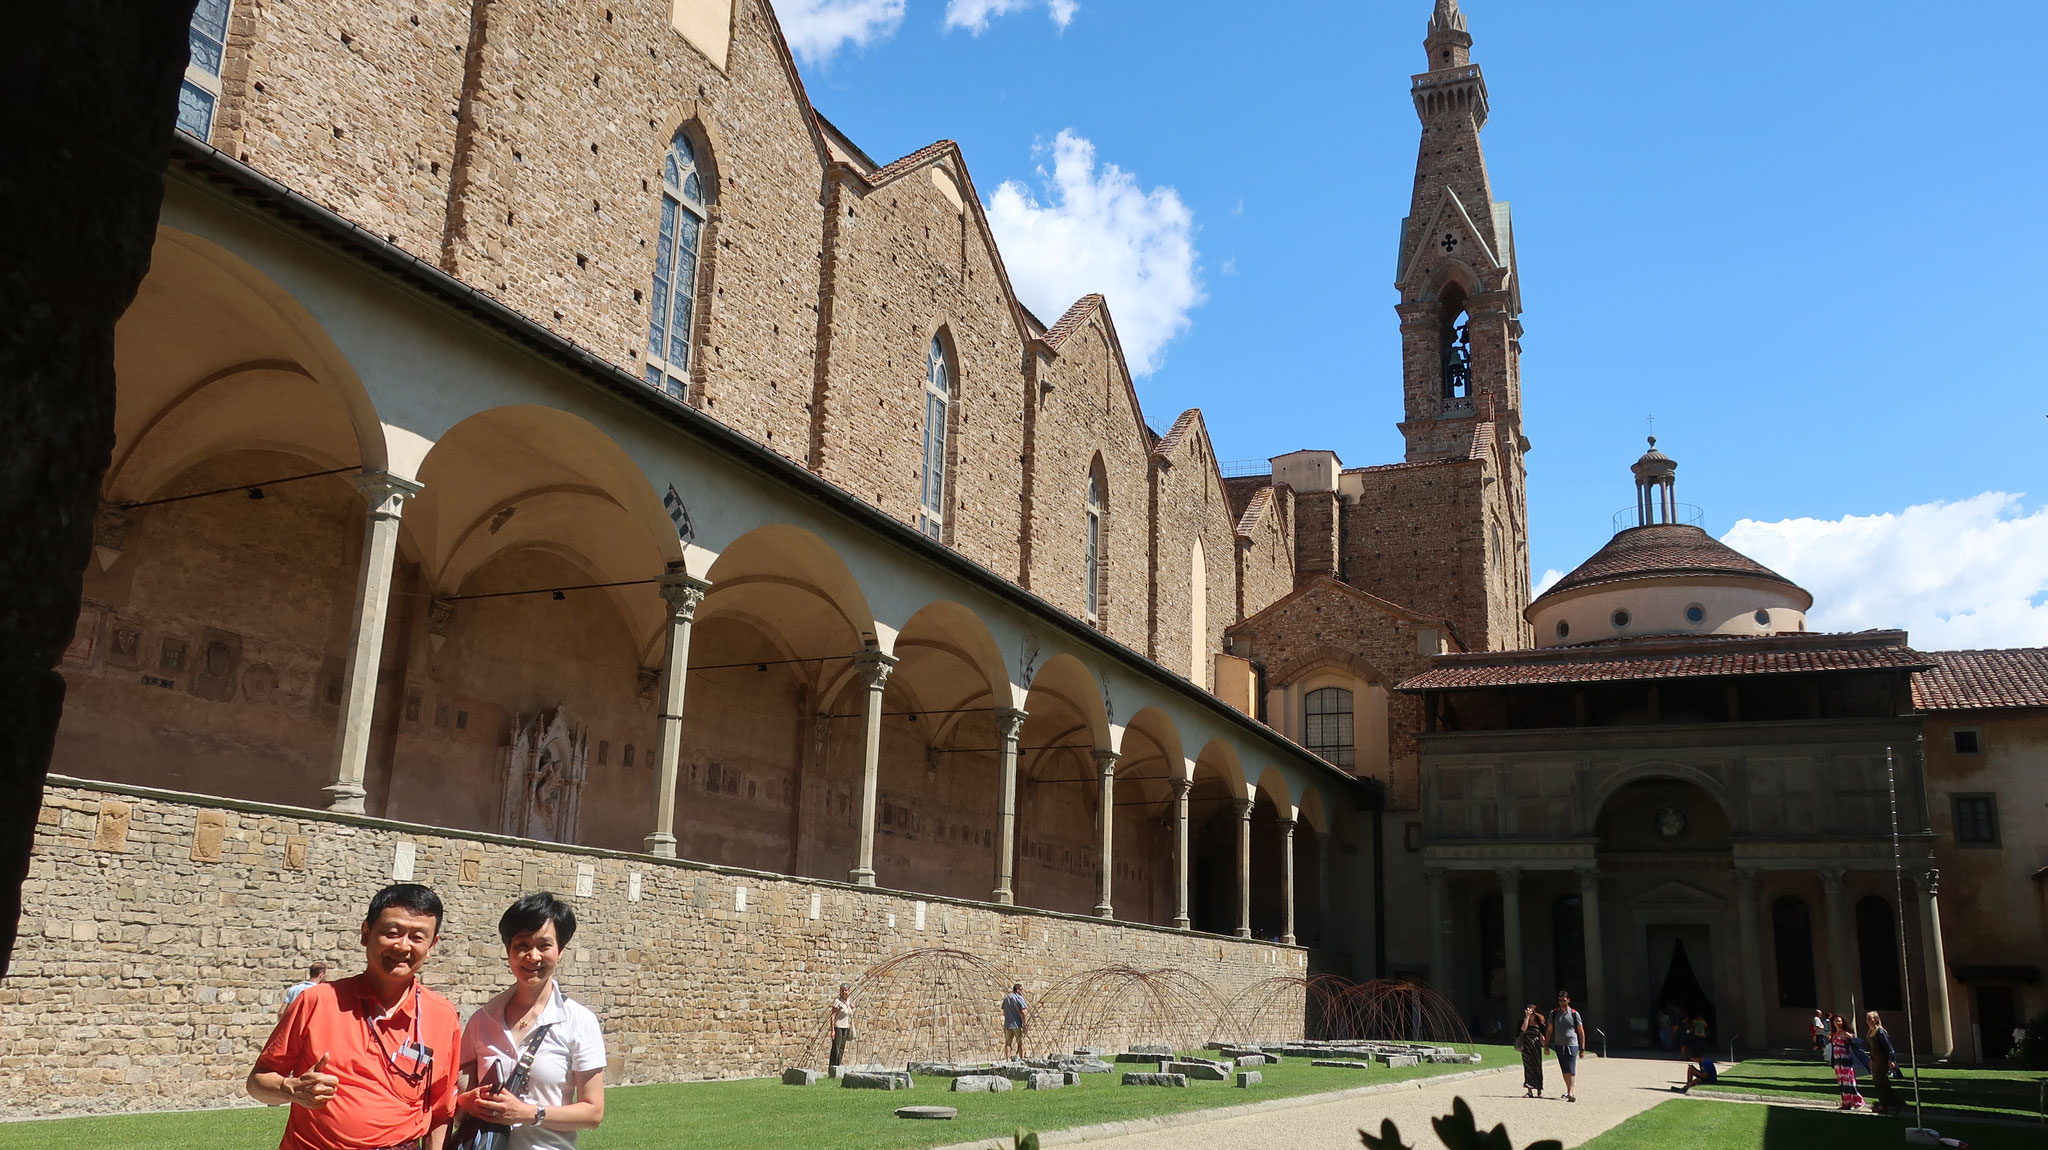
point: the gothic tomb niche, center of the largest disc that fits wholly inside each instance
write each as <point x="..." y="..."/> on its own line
<point x="542" y="775"/>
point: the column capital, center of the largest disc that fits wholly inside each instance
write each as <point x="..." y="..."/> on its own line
<point x="1929" y="881"/>
<point x="683" y="593"/>
<point x="1181" y="787"/>
<point x="386" y="492"/>
<point x="1010" y="723"/>
<point x="1747" y="880"/>
<point x="873" y="667"/>
<point x="1244" y="808"/>
<point x="1105" y="761"/>
<point x="1510" y="879"/>
<point x="1831" y="880"/>
<point x="1589" y="877"/>
<point x="1287" y="826"/>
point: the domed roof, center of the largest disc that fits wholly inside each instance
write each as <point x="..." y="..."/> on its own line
<point x="1654" y="464"/>
<point x="1665" y="551"/>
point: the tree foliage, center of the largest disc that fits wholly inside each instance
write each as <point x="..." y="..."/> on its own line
<point x="1457" y="1130"/>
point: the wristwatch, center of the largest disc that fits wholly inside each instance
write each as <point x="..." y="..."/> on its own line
<point x="540" y="1115"/>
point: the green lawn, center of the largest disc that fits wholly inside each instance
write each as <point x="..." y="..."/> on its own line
<point x="758" y="1112"/>
<point x="1698" y="1124"/>
<point x="2006" y="1092"/>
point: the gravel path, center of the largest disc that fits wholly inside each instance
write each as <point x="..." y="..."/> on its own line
<point x="1610" y="1090"/>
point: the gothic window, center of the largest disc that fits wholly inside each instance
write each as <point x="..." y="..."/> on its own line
<point x="1093" y="544"/>
<point x="1877" y="945"/>
<point x="207" y="37"/>
<point x="1792" y="942"/>
<point x="1326" y="725"/>
<point x="1455" y="340"/>
<point x="931" y="499"/>
<point x="675" y="269"/>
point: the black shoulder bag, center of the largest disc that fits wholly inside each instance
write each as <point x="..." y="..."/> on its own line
<point x="477" y="1134"/>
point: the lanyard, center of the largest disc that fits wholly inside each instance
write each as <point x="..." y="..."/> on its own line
<point x="423" y="1058"/>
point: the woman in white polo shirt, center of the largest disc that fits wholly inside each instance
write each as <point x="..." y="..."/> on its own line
<point x="561" y="1089"/>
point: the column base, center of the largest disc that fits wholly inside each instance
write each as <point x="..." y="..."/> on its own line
<point x="1288" y="939"/>
<point x="346" y="798"/>
<point x="1243" y="932"/>
<point x="861" y="876"/>
<point x="1004" y="898"/>
<point x="1102" y="910"/>
<point x="661" y="845"/>
<point x="1183" y="922"/>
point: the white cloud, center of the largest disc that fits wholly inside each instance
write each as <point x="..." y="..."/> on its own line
<point x="1549" y="580"/>
<point x="1101" y="232"/>
<point x="1973" y="573"/>
<point x="974" y="15"/>
<point x="818" y="28"/>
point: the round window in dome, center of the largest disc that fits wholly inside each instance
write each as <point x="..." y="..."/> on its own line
<point x="1621" y="618"/>
<point x="1763" y="617"/>
<point x="1563" y="628"/>
<point x="1695" y="614"/>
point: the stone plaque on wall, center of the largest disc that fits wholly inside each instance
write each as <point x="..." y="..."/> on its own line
<point x="217" y="672"/>
<point x="112" y="832"/>
<point x="295" y="852"/>
<point x="209" y="832"/>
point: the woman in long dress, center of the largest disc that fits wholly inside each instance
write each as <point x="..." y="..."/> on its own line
<point x="1533" y="1036"/>
<point x="1842" y="1045"/>
<point x="1883" y="1056"/>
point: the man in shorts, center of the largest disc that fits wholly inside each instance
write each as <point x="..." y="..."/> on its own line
<point x="1567" y="1038"/>
<point x="369" y="1062"/>
<point x="1016" y="1020"/>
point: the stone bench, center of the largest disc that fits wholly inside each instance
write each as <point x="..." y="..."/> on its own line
<point x="1396" y="1061"/>
<point x="875" y="1080"/>
<point x="1343" y="1063"/>
<point x="981" y="1084"/>
<point x="1134" y="1079"/>
<point x="1207" y="1071"/>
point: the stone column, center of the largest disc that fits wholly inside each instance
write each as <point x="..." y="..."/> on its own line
<point x="1009" y="725"/>
<point x="1244" y="868"/>
<point x="1287" y="879"/>
<point x="1511" y="931"/>
<point x="1596" y="954"/>
<point x="873" y="667"/>
<point x="386" y="494"/>
<point x="681" y="593"/>
<point x="1438" y="926"/>
<point x="1940" y="1027"/>
<point x="1105" y="828"/>
<point x="1181" y="787"/>
<point x="1842" y="989"/>
<point x="1746" y="924"/>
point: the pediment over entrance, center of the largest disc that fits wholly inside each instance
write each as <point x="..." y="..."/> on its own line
<point x="1676" y="902"/>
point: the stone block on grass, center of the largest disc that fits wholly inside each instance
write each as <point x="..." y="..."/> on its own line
<point x="1136" y="1056"/>
<point x="940" y="1113"/>
<point x="1045" y="1080"/>
<point x="981" y="1084"/>
<point x="1138" y="1079"/>
<point x="1143" y="1049"/>
<point x="1249" y="1078"/>
<point x="1205" y="1071"/>
<point x="798" y="1076"/>
<point x="1342" y="1063"/>
<point x="1255" y="1059"/>
<point x="1397" y="1061"/>
<point x="875" y="1080"/>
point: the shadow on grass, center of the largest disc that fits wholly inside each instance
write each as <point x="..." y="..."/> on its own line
<point x="1792" y="1129"/>
<point x="2007" y="1092"/>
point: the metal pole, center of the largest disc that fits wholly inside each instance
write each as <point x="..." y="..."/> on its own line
<point x="1891" y="778"/>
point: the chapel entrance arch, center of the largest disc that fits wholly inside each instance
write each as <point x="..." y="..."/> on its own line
<point x="1667" y="842"/>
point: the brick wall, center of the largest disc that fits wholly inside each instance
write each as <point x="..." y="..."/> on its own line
<point x="159" y="936"/>
<point x="1415" y="535"/>
<point x="1188" y="504"/>
<point x="1266" y="570"/>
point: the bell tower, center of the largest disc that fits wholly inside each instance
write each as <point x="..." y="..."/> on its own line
<point x="1460" y="329"/>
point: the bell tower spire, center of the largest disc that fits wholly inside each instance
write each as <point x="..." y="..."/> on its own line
<point x="1449" y="42"/>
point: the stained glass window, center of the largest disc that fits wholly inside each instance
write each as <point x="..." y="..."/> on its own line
<point x="673" y="313"/>
<point x="937" y="391"/>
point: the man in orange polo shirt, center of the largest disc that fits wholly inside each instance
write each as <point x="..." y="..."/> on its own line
<point x="369" y="1062"/>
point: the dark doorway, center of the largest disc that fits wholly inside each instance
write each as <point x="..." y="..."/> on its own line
<point x="1567" y="949"/>
<point x="1877" y="945"/>
<point x="1681" y="992"/>
<point x="1792" y="943"/>
<point x="1997" y="1015"/>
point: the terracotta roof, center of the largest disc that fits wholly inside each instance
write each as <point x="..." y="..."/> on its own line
<point x="1687" y="658"/>
<point x="1983" y="680"/>
<point x="1165" y="444"/>
<point x="1071" y="322"/>
<point x="1665" y="551"/>
<point x="890" y="171"/>
<point x="1325" y="583"/>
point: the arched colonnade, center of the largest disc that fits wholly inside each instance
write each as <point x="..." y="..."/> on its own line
<point x="509" y="626"/>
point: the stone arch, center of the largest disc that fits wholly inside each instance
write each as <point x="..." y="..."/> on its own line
<point x="1664" y="769"/>
<point x="1213" y="823"/>
<point x="1449" y="272"/>
<point x="1057" y="845"/>
<point x="1147" y="826"/>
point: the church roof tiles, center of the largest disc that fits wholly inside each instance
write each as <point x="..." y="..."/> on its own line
<point x="1664" y="551"/>
<point x="1692" y="657"/>
<point x="1983" y="680"/>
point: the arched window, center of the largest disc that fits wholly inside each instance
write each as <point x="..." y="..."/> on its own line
<point x="1094" y="542"/>
<point x="1453" y="337"/>
<point x="1877" y="945"/>
<point x="1326" y="725"/>
<point x="931" y="499"/>
<point x="1792" y="940"/>
<point x="675" y="270"/>
<point x="206" y="38"/>
<point x="1198" y="614"/>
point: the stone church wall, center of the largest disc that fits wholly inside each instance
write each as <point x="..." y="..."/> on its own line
<point x="1188" y="504"/>
<point x="1415" y="534"/>
<point x="160" y="931"/>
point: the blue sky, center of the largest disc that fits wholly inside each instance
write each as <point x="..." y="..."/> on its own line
<point x="1801" y="235"/>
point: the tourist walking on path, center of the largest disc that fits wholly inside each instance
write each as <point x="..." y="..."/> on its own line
<point x="1530" y="1040"/>
<point x="1819" y="1030"/>
<point x="315" y="975"/>
<point x="1843" y="1046"/>
<point x="842" y="1024"/>
<point x="1567" y="1037"/>
<point x="1884" y="1057"/>
<point x="534" y="1057"/>
<point x="1016" y="1020"/>
<point x="368" y="1062"/>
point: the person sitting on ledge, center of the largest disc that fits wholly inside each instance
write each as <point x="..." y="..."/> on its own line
<point x="1705" y="1073"/>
